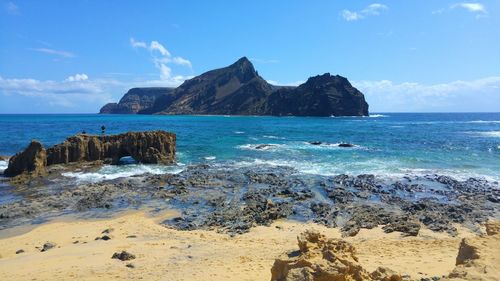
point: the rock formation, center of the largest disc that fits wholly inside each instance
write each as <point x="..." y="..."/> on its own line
<point x="145" y="147"/>
<point x="321" y="259"/>
<point x="135" y="100"/>
<point x="239" y="90"/>
<point x="33" y="160"/>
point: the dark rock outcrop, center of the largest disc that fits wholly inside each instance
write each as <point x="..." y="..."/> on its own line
<point x="145" y="147"/>
<point x="239" y="90"/>
<point x="123" y="256"/>
<point x="135" y="100"/>
<point x="32" y="160"/>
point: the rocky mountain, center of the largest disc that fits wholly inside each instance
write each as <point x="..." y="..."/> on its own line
<point x="239" y="90"/>
<point x="135" y="99"/>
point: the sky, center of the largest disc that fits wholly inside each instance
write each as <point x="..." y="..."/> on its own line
<point x="405" y="56"/>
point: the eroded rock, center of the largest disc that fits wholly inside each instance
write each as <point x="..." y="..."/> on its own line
<point x="319" y="258"/>
<point x="153" y="147"/>
<point x="32" y="160"/>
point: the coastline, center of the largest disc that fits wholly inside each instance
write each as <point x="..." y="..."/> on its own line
<point x="166" y="254"/>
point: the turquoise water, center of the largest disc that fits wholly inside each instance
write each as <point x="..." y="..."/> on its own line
<point x="393" y="144"/>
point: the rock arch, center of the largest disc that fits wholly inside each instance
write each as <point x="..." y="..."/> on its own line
<point x="156" y="147"/>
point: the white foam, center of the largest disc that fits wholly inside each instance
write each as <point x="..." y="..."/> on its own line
<point x="259" y="147"/>
<point x="209" y="157"/>
<point x="3" y="165"/>
<point x="274" y="137"/>
<point x="484" y="121"/>
<point x="493" y="134"/>
<point x="239" y="132"/>
<point x="391" y="169"/>
<point x="110" y="172"/>
<point x="377" y="115"/>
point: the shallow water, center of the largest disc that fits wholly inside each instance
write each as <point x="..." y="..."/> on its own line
<point x="458" y="144"/>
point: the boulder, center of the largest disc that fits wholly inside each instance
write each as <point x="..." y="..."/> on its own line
<point x="319" y="258"/>
<point x="154" y="147"/>
<point x="31" y="160"/>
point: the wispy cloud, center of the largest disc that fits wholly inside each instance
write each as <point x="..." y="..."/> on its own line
<point x="162" y="58"/>
<point x="373" y="9"/>
<point x="471" y="7"/>
<point x="71" y="92"/>
<point x="474" y="95"/>
<point x="77" y="77"/>
<point x="11" y="8"/>
<point x="75" y="93"/>
<point x="277" y="83"/>
<point x="478" y="9"/>
<point x="64" y="54"/>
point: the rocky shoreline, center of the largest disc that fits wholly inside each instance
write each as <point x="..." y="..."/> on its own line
<point x="233" y="200"/>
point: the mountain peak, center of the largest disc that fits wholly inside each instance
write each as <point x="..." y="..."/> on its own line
<point x="244" y="69"/>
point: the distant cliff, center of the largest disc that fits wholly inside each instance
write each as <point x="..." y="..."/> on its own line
<point x="135" y="99"/>
<point x="239" y="90"/>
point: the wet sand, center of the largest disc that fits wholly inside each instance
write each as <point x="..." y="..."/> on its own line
<point x="167" y="254"/>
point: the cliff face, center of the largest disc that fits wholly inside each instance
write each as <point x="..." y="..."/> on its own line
<point x="145" y="147"/>
<point x="239" y="90"/>
<point x="135" y="100"/>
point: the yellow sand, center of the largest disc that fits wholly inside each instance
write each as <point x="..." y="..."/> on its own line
<point x="167" y="254"/>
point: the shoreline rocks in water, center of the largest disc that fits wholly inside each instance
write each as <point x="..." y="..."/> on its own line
<point x="233" y="200"/>
<point x="145" y="147"/>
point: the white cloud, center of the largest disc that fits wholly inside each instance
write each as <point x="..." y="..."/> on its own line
<point x="475" y="95"/>
<point x="73" y="92"/>
<point x="181" y="61"/>
<point x="471" y="7"/>
<point x="351" y="16"/>
<point x="373" y="9"/>
<point x="77" y="77"/>
<point x="137" y="44"/>
<point x="64" y="54"/>
<point x="161" y="58"/>
<point x="276" y="83"/>
<point x="156" y="46"/>
<point x="11" y="8"/>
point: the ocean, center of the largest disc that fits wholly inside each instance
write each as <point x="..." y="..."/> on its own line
<point x="460" y="145"/>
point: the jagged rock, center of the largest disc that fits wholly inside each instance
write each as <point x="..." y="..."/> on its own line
<point x="145" y="147"/>
<point x="322" y="259"/>
<point x="32" y="160"/>
<point x="239" y="90"/>
<point x="123" y="256"/>
<point x="135" y="100"/>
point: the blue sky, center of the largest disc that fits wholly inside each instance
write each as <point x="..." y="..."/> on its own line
<point x="406" y="56"/>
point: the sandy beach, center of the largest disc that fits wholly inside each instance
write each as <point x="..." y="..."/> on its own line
<point x="168" y="254"/>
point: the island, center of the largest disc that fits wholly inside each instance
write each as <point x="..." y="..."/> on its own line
<point x="239" y="90"/>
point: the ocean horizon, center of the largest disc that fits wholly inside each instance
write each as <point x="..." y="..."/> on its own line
<point x="461" y="145"/>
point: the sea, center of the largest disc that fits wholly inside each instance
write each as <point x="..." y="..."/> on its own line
<point x="461" y="145"/>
